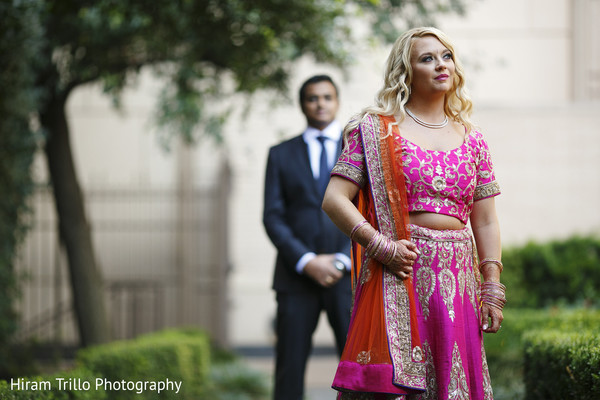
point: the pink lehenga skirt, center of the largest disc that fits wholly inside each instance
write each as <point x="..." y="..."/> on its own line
<point x="446" y="290"/>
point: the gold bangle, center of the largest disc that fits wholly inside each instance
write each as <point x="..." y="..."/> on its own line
<point x="491" y="261"/>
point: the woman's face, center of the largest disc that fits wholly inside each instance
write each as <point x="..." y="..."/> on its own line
<point x="432" y="66"/>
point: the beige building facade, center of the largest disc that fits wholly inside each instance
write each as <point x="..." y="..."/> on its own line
<point x="533" y="69"/>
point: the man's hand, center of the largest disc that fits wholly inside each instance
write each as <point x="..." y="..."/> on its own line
<point x="322" y="270"/>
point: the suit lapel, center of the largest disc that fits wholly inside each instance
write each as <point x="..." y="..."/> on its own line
<point x="301" y="151"/>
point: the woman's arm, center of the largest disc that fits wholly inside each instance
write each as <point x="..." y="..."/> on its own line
<point x="338" y="205"/>
<point x="486" y="231"/>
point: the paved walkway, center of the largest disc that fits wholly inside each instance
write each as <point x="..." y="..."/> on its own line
<point x="319" y="374"/>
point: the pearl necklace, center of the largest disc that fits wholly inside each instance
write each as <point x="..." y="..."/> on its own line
<point x="426" y="124"/>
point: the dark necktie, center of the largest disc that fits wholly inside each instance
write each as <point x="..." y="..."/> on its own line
<point x="323" y="166"/>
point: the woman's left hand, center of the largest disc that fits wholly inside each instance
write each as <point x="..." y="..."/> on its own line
<point x="491" y="318"/>
<point x="404" y="259"/>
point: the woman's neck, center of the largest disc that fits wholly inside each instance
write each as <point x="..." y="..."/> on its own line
<point x="429" y="109"/>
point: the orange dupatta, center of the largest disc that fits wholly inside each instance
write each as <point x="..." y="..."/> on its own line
<point x="383" y="352"/>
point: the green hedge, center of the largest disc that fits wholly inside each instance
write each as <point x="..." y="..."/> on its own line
<point x="562" y="365"/>
<point x="555" y="273"/>
<point x="168" y="357"/>
<point x="505" y="350"/>
<point x="236" y="381"/>
<point x="172" y="364"/>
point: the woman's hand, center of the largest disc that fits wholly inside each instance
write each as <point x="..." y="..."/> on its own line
<point x="406" y="254"/>
<point x="491" y="318"/>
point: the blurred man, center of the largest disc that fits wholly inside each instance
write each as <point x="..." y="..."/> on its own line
<point x="312" y="266"/>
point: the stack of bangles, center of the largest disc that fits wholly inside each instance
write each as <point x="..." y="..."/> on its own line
<point x="493" y="294"/>
<point x="381" y="248"/>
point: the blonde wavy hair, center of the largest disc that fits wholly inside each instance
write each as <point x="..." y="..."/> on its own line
<point x="393" y="96"/>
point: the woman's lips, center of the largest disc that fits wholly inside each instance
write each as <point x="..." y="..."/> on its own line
<point x="441" y="77"/>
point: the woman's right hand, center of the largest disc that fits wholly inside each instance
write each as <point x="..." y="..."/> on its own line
<point x="406" y="255"/>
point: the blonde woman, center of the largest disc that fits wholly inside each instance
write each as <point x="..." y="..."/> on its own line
<point x="412" y="174"/>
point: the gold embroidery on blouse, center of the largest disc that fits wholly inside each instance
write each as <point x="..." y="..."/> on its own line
<point x="350" y="171"/>
<point x="345" y="167"/>
<point x="487" y="190"/>
<point x="447" y="181"/>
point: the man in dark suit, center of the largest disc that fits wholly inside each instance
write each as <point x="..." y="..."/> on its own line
<point x="312" y="266"/>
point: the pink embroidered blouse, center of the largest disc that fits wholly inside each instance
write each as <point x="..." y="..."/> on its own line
<point x="443" y="182"/>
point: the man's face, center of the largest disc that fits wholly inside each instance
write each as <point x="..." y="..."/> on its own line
<point x="320" y="104"/>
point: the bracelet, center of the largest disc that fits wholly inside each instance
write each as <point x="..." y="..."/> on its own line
<point x="493" y="294"/>
<point x="500" y="307"/>
<point x="381" y="248"/>
<point x="357" y="227"/>
<point x="491" y="261"/>
<point x="491" y="285"/>
<point x="373" y="243"/>
<point x="388" y="253"/>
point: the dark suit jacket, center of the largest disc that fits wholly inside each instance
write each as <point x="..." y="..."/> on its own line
<point x="293" y="217"/>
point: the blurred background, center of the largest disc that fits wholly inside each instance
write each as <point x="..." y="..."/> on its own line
<point x="175" y="219"/>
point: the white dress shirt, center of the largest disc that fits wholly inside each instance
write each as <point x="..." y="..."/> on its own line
<point x="333" y="132"/>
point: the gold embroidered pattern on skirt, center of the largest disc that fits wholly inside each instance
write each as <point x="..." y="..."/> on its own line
<point x="458" y="388"/>
<point x="432" y="389"/>
<point x="472" y="290"/>
<point x="425" y="286"/>
<point x="461" y="285"/>
<point x="448" y="290"/>
<point x="487" y="382"/>
<point x="425" y="276"/>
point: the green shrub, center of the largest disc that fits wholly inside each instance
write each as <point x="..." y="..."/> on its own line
<point x="562" y="365"/>
<point x="559" y="272"/>
<point x="168" y="356"/>
<point x="505" y="351"/>
<point x="236" y="381"/>
<point x="232" y="379"/>
<point x="178" y="355"/>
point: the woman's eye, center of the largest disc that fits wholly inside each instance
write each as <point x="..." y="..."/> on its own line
<point x="448" y="56"/>
<point x="427" y="58"/>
